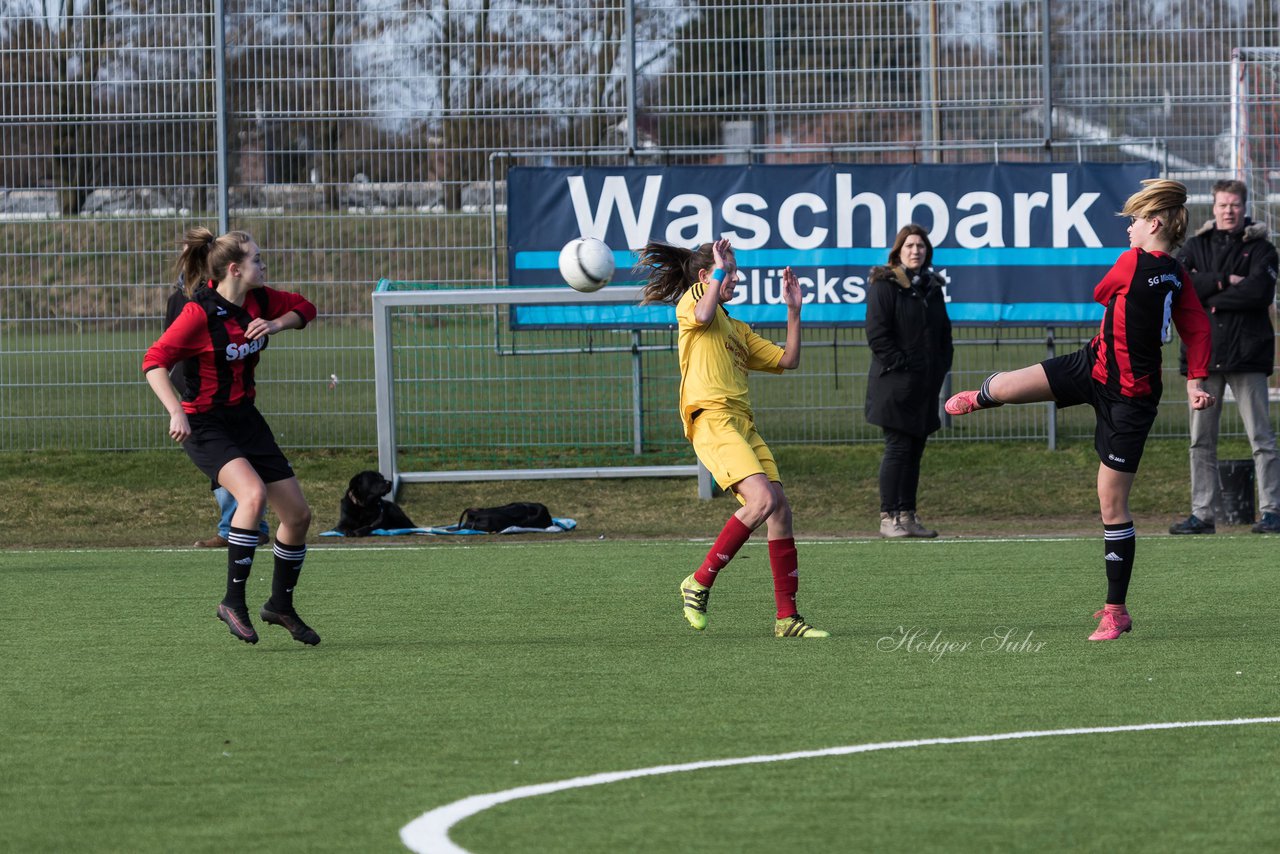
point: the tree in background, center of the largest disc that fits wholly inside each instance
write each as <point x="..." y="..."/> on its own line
<point x="76" y="34"/>
<point x="291" y="117"/>
<point x="119" y="93"/>
<point x="27" y="103"/>
<point x="804" y="75"/>
<point x="97" y="96"/>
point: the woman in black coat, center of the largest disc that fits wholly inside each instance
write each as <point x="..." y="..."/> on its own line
<point x="910" y="338"/>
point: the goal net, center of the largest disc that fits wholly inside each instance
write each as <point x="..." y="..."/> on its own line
<point x="526" y="384"/>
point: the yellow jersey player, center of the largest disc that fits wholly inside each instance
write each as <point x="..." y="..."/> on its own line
<point x="716" y="352"/>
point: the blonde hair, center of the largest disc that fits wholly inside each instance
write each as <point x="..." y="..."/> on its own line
<point x="206" y="257"/>
<point x="670" y="270"/>
<point x="1164" y="200"/>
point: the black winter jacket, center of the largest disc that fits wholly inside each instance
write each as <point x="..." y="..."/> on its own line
<point x="177" y="299"/>
<point x="1239" y="314"/>
<point x="909" y="333"/>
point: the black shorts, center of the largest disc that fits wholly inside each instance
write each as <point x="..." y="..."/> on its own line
<point x="1123" y="422"/>
<point x="222" y="435"/>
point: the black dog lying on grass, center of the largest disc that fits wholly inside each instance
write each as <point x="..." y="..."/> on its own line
<point x="363" y="509"/>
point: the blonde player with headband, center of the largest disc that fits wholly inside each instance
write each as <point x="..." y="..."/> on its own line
<point x="1118" y="372"/>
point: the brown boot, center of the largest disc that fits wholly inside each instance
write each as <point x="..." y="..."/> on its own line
<point x="908" y="519"/>
<point x="890" y="526"/>
<point x="214" y="542"/>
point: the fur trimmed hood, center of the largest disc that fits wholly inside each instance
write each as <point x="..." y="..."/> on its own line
<point x="890" y="274"/>
<point x="1252" y="230"/>
<point x="898" y="275"/>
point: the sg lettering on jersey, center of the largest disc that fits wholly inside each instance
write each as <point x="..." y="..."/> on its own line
<point x="244" y="351"/>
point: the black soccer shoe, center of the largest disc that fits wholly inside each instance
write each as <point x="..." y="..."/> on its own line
<point x="237" y="620"/>
<point x="290" y="620"/>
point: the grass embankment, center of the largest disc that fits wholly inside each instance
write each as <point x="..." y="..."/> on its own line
<point x="63" y="499"/>
<point x="79" y="265"/>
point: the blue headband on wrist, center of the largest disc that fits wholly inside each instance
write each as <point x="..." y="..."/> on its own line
<point x="718" y="274"/>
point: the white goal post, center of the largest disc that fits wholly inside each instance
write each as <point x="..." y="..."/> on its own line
<point x="1255" y="128"/>
<point x="435" y="311"/>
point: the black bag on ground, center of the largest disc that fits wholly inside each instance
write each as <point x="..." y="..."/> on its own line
<point x="519" y="514"/>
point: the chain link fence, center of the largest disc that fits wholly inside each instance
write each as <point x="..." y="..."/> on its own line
<point x="363" y="140"/>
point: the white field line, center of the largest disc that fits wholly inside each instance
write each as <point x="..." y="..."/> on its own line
<point x="510" y="541"/>
<point x="429" y="832"/>
<point x="513" y="542"/>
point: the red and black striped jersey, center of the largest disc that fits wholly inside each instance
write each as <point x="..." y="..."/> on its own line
<point x="208" y="338"/>
<point x="1142" y="292"/>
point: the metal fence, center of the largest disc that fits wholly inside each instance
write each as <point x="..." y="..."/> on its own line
<point x="362" y="140"/>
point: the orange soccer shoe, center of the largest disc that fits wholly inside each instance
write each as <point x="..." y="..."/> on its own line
<point x="962" y="403"/>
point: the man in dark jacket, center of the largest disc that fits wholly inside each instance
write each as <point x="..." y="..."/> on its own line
<point x="1233" y="268"/>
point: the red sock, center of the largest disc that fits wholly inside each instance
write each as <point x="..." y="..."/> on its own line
<point x="731" y="538"/>
<point x="786" y="576"/>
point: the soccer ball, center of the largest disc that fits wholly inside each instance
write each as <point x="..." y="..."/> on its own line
<point x="586" y="264"/>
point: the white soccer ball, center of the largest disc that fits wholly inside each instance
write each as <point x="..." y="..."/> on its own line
<point x="586" y="264"/>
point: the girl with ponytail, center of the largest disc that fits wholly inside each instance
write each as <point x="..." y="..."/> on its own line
<point x="218" y="338"/>
<point x="716" y="352"/>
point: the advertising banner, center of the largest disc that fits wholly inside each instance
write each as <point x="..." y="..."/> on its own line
<point x="1017" y="243"/>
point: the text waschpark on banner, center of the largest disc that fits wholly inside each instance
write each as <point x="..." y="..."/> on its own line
<point x="1018" y="243"/>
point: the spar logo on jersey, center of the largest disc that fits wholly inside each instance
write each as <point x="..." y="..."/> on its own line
<point x="236" y="352"/>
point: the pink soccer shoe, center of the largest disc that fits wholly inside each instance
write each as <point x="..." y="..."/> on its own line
<point x="1113" y="625"/>
<point x="962" y="403"/>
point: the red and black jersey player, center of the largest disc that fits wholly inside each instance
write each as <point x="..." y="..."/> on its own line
<point x="1118" y="372"/>
<point x="219" y="337"/>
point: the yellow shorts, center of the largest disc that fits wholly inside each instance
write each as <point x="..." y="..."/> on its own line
<point x="731" y="449"/>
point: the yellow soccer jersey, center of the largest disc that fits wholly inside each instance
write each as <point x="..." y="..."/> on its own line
<point x="715" y="359"/>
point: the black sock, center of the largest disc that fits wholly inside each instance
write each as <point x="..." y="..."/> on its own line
<point x="985" y="400"/>
<point x="1120" y="542"/>
<point x="242" y="543"/>
<point x="288" y="567"/>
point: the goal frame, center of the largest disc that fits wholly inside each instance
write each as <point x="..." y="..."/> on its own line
<point x="384" y="385"/>
<point x="1240" y="130"/>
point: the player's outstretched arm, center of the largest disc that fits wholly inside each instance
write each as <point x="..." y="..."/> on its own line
<point x="793" y="298"/>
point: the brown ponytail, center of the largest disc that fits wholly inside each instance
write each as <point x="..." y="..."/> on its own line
<point x="671" y="270"/>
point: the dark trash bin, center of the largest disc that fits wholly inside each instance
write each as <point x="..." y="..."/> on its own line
<point x="1236" y="477"/>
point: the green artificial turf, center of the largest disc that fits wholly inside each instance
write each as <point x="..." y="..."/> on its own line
<point x="133" y="721"/>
